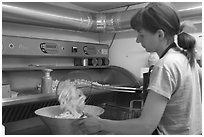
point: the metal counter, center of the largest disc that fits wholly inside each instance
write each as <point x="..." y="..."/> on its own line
<point x="18" y="113"/>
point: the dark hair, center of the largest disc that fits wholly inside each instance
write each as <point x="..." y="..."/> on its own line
<point x="187" y="44"/>
<point x="157" y="16"/>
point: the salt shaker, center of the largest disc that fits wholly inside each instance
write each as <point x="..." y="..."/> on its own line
<point x="46" y="82"/>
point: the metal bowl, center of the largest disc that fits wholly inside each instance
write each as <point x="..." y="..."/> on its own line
<point x="63" y="126"/>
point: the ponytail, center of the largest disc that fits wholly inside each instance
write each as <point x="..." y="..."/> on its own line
<point x="187" y="42"/>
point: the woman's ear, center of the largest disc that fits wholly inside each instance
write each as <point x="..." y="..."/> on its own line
<point x="160" y="33"/>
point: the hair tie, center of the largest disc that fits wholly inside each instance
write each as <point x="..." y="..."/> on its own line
<point x="180" y="32"/>
<point x="183" y="50"/>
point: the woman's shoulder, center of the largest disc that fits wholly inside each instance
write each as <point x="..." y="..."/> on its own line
<point x="172" y="58"/>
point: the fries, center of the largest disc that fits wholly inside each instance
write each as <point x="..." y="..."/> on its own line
<point x="72" y="99"/>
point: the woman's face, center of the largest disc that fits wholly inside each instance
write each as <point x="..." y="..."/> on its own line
<point x="148" y="40"/>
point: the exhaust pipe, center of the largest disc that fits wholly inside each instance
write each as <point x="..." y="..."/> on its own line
<point x="46" y="15"/>
<point x="42" y="14"/>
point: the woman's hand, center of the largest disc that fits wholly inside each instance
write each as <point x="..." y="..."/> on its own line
<point x="89" y="125"/>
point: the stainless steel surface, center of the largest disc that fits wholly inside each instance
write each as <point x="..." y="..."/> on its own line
<point x="116" y="112"/>
<point x="46" y="81"/>
<point x="132" y="109"/>
<point x="97" y="86"/>
<point x="48" y="15"/>
<point x="28" y="99"/>
<point x="126" y="91"/>
<point x="85" y="62"/>
<point x="113" y="88"/>
<point x="21" y="108"/>
<point x="90" y="84"/>
<point x="25" y="46"/>
<point x="30" y="126"/>
<point x="117" y="76"/>
<point x="116" y="88"/>
<point x="43" y="14"/>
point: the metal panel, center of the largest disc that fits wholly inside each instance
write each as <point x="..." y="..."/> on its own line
<point x="21" y="46"/>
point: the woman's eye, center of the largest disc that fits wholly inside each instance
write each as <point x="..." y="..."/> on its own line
<point x="141" y="35"/>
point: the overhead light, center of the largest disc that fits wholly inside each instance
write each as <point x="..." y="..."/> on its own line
<point x="193" y="8"/>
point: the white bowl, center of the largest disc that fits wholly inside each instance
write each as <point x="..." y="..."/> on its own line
<point x="63" y="126"/>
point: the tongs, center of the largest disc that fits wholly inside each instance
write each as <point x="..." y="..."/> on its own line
<point x="114" y="88"/>
<point x="124" y="89"/>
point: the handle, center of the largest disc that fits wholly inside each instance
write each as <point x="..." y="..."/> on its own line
<point x="125" y="88"/>
<point x="132" y="110"/>
<point x="115" y="88"/>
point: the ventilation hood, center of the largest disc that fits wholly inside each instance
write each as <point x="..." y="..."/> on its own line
<point x="43" y="14"/>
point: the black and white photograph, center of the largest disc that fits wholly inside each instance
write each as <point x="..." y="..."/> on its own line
<point x="101" y="68"/>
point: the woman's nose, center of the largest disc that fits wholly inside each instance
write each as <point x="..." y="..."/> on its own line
<point x="137" y="40"/>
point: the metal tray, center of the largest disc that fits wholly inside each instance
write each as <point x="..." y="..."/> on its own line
<point x="114" y="112"/>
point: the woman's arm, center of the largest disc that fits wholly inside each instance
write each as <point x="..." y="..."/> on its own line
<point x="152" y="112"/>
<point x="200" y="76"/>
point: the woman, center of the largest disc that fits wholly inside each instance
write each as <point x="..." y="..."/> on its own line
<point x="173" y="104"/>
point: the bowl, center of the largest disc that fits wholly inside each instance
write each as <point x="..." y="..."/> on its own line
<point x="63" y="126"/>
